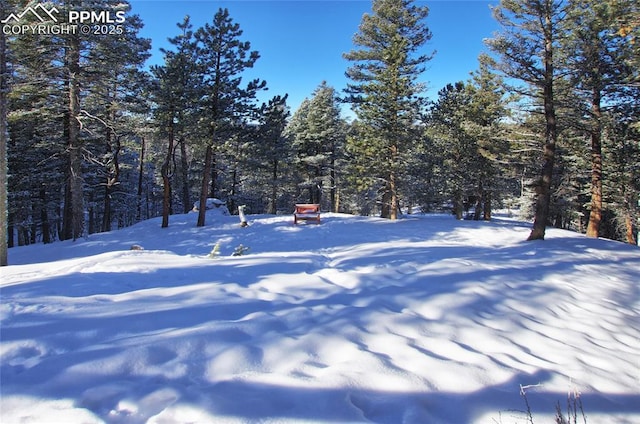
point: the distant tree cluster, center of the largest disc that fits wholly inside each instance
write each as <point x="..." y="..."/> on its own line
<point x="548" y="124"/>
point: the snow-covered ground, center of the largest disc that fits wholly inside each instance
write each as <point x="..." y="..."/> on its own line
<point x="422" y="320"/>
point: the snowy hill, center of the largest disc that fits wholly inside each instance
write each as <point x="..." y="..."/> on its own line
<point x="423" y="320"/>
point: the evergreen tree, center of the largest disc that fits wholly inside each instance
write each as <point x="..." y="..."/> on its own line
<point x="386" y="94"/>
<point x="318" y="133"/>
<point x="38" y="101"/>
<point x="527" y="48"/>
<point x="70" y="107"/>
<point x="234" y="155"/>
<point x="273" y="149"/>
<point x="329" y="129"/>
<point x="175" y="94"/>
<point x="622" y="168"/>
<point x="598" y="60"/>
<point x="466" y="132"/>
<point x="73" y="219"/>
<point x="457" y="147"/>
<point x="113" y="98"/>
<point x="223" y="58"/>
<point x="36" y="137"/>
<point x="486" y="112"/>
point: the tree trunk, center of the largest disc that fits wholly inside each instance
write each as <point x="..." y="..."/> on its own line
<point x="231" y="198"/>
<point x="74" y="146"/>
<point x="66" y="232"/>
<point x="113" y="149"/>
<point x="385" y="210"/>
<point x="204" y="189"/>
<point x="332" y="179"/>
<point x="273" y="204"/>
<point x="4" y="86"/>
<point x="477" y="210"/>
<point x="595" y="216"/>
<point x="166" y="173"/>
<point x="44" y="217"/>
<point x="458" y="205"/>
<point x="11" y="239"/>
<point x="394" y="197"/>
<point x="91" y="214"/>
<point x="184" y="165"/>
<point x="629" y="229"/>
<point x="487" y="205"/>
<point x="140" y="179"/>
<point x="544" y="189"/>
<point x="213" y="175"/>
<point x="106" y="208"/>
<point x="393" y="184"/>
<point x="106" y="203"/>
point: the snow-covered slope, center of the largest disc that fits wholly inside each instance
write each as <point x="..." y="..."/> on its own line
<point x="423" y="320"/>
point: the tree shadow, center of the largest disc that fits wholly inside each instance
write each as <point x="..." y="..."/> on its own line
<point x="105" y="339"/>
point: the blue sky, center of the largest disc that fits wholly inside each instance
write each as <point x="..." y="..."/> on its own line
<point x="301" y="41"/>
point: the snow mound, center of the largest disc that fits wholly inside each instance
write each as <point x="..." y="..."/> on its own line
<point x="213" y="204"/>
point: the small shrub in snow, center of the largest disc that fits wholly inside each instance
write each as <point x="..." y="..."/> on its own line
<point x="574" y="408"/>
<point x="574" y="404"/>
<point x="215" y="252"/>
<point x="240" y="250"/>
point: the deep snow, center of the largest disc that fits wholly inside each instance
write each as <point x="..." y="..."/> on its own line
<point x="423" y="320"/>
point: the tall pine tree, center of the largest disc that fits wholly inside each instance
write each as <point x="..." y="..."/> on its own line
<point x="527" y="48"/>
<point x="175" y="92"/>
<point x="223" y="57"/>
<point x="385" y="93"/>
<point x="111" y="99"/>
<point x="317" y="132"/>
<point x="273" y="148"/>
<point x="598" y="62"/>
<point x="73" y="94"/>
<point x="457" y="148"/>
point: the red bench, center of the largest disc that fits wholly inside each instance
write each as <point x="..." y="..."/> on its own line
<point x="306" y="212"/>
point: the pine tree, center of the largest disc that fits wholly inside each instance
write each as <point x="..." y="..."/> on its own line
<point x="35" y="138"/>
<point x="175" y="93"/>
<point x="598" y="61"/>
<point x="528" y="52"/>
<point x="318" y="132"/>
<point x="112" y="98"/>
<point x="273" y="149"/>
<point x="223" y="58"/>
<point x="37" y="103"/>
<point x="71" y="105"/>
<point x="328" y="128"/>
<point x="465" y="130"/>
<point x="234" y="157"/>
<point x="623" y="171"/>
<point x="486" y="111"/>
<point x="457" y="148"/>
<point x="386" y="94"/>
<point x="73" y="220"/>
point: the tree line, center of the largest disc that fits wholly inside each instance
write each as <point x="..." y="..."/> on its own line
<point x="547" y="124"/>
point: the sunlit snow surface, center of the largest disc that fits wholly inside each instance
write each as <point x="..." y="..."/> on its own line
<point x="422" y="320"/>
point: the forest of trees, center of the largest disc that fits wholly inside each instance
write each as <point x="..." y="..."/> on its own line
<point x="92" y="139"/>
